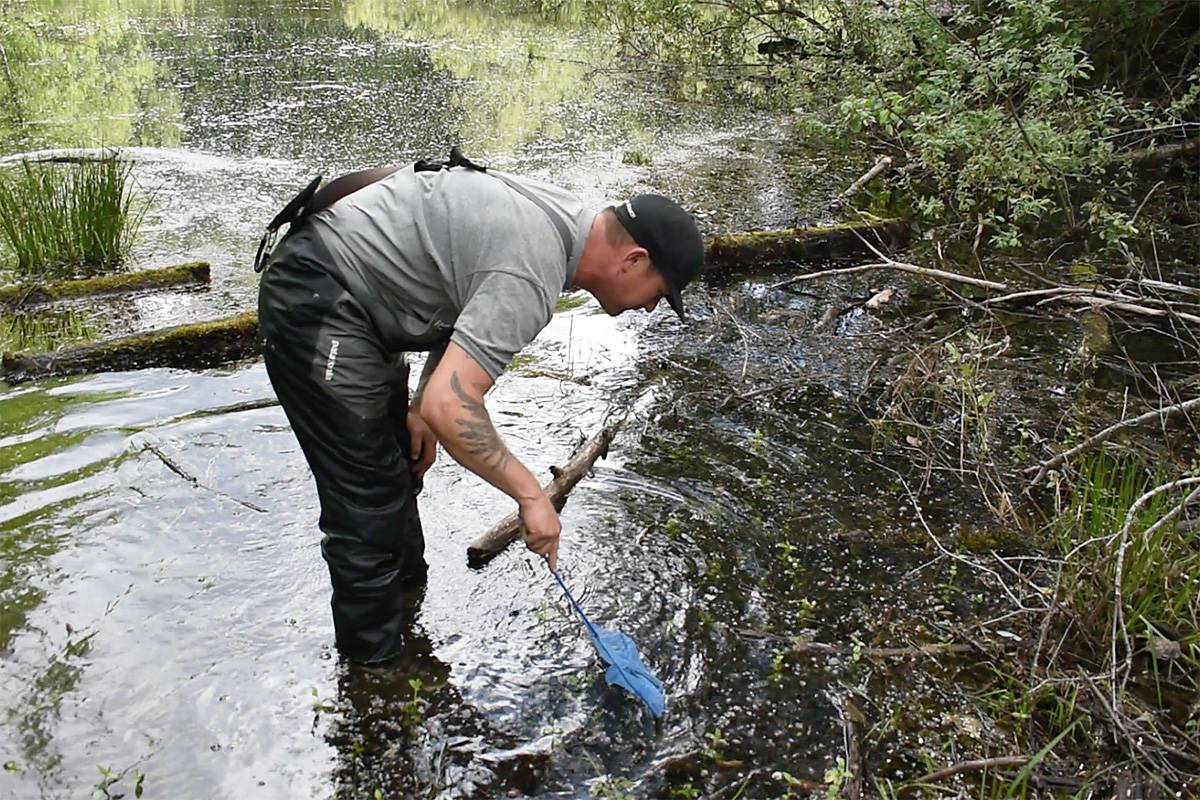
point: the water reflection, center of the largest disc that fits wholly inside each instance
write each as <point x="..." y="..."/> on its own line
<point x="80" y="74"/>
<point x="338" y="86"/>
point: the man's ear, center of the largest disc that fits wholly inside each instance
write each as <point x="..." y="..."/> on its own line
<point x="635" y="257"/>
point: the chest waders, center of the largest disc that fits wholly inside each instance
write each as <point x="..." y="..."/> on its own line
<point x="345" y="394"/>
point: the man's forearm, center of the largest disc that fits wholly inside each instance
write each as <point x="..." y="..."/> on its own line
<point x="465" y="429"/>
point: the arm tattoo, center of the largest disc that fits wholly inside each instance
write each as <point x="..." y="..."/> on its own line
<point x="478" y="433"/>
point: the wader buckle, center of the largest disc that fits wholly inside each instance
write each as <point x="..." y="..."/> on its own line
<point x="456" y="159"/>
<point x="293" y="212"/>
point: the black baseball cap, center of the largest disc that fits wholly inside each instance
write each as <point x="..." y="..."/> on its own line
<point x="669" y="235"/>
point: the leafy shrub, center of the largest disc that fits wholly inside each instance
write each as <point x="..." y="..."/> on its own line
<point x="1004" y="114"/>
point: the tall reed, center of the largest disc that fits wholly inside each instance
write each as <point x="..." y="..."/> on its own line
<point x="69" y="220"/>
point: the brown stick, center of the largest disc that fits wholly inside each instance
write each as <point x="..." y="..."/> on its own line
<point x="882" y="165"/>
<point x="490" y="543"/>
<point x="1190" y="147"/>
<point x="900" y="266"/>
<point x="802" y="646"/>
<point x="882" y="652"/>
<point x="972" y="766"/>
<point x="1158" y="414"/>
<point x="1065" y="294"/>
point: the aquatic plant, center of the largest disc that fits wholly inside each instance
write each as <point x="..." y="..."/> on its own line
<point x="42" y="332"/>
<point x="69" y="220"/>
<point x="412" y="712"/>
<point x="1130" y="568"/>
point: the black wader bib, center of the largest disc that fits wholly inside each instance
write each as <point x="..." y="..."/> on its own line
<point x="347" y="401"/>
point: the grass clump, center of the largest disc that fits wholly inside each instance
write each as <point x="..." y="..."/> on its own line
<point x="74" y="220"/>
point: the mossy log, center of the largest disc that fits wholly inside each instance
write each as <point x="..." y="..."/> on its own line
<point x="18" y="295"/>
<point x="197" y="345"/>
<point x="208" y="344"/>
<point x="493" y="541"/>
<point x="761" y="251"/>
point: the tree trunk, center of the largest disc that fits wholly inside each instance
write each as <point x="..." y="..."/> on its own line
<point x="765" y="251"/>
<point x="198" y="345"/>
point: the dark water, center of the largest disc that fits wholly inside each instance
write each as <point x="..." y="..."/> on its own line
<point x="176" y="626"/>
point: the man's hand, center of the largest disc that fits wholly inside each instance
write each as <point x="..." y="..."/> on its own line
<point x="542" y="527"/>
<point x="422" y="443"/>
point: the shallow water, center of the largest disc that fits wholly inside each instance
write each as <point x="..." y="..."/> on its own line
<point x="165" y="606"/>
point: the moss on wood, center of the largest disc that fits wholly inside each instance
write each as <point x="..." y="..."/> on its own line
<point x="26" y="294"/>
<point x="198" y="345"/>
<point x="759" y="251"/>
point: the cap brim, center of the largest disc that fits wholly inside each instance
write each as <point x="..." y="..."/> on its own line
<point x="676" y="302"/>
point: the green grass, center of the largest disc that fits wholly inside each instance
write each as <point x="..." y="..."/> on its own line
<point x="569" y="301"/>
<point x="36" y="333"/>
<point x="1119" y="533"/>
<point x="68" y="220"/>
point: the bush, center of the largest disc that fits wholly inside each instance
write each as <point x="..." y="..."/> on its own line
<point x="1005" y="113"/>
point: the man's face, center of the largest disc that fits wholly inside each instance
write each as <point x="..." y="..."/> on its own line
<point x="635" y="283"/>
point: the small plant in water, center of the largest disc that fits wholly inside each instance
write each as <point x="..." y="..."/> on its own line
<point x="412" y="713"/>
<point x="637" y="158"/>
<point x="611" y="788"/>
<point x="807" y="609"/>
<point x="109" y="780"/>
<point x="715" y="749"/>
<point x="46" y="331"/>
<point x="777" y="665"/>
<point x="835" y="777"/>
<point x="688" y="791"/>
<point x="59" y="221"/>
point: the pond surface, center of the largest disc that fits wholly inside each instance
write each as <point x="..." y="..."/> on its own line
<point x="164" y="604"/>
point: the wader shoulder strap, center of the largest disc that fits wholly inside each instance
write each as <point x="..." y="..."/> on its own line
<point x="457" y="159"/>
<point x="309" y="201"/>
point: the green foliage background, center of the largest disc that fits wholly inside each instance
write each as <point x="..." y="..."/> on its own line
<point x="1001" y="114"/>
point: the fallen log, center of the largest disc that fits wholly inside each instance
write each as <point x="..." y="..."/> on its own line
<point x="211" y="343"/>
<point x="493" y="541"/>
<point x="1189" y="148"/>
<point x="194" y="346"/>
<point x="22" y="295"/>
<point x="735" y="252"/>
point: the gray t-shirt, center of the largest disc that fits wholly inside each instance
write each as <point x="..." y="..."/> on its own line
<point x="427" y="252"/>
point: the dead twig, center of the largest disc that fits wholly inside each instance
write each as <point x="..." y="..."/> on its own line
<point x="1159" y="414"/>
<point x="194" y="481"/>
<point x="883" y="164"/>
<point x="977" y="765"/>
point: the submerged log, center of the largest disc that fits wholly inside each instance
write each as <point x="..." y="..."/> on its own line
<point x="20" y="295"/>
<point x="198" y="345"/>
<point x="732" y="252"/>
<point x="490" y="543"/>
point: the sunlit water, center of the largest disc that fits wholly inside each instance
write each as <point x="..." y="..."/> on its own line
<point x="165" y="606"/>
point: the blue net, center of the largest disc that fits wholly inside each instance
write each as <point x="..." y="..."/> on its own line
<point x="625" y="667"/>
